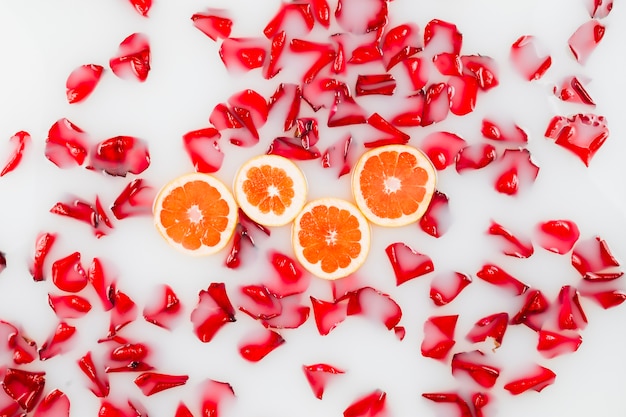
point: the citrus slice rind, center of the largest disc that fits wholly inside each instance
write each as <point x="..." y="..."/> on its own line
<point x="195" y="213"/>
<point x="270" y="189"/>
<point x="393" y="184"/>
<point x="331" y="238"/>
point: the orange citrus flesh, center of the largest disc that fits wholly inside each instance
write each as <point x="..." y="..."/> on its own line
<point x="270" y="189"/>
<point x="393" y="184"/>
<point x="331" y="238"/>
<point x="195" y="213"/>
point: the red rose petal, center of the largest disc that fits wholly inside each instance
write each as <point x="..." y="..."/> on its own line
<point x="371" y="405"/>
<point x="19" y="142"/>
<point x="375" y="84"/>
<point x="473" y="363"/>
<point x="152" y="382"/>
<point x="585" y="39"/>
<point x="339" y="155"/>
<point x="528" y="58"/>
<point x="572" y="90"/>
<point x="212" y="312"/>
<point x="361" y="16"/>
<point x="462" y="92"/>
<point x="438" y="336"/>
<point x="442" y="37"/>
<point x="214" y="397"/>
<point x="581" y="134"/>
<point x="408" y="264"/>
<point x="593" y="259"/>
<point x="531" y="312"/>
<point x="516" y="171"/>
<point x="142" y="6"/>
<point x="511" y="243"/>
<point x="483" y="68"/>
<point x="55" y="404"/>
<point x="82" y="81"/>
<point x="329" y="314"/>
<point x="437" y="219"/>
<point x="133" y="58"/>
<point x="536" y="380"/>
<point x="289" y="279"/>
<point x="68" y="273"/>
<point x="436" y="104"/>
<point x="495" y="275"/>
<point x="203" y="150"/>
<point x="551" y="344"/>
<point x="318" y="375"/>
<point x="393" y="134"/>
<point x="58" y="342"/>
<point x="492" y="326"/>
<point x="134" y="200"/>
<point x="442" y="148"/>
<point x="98" y="378"/>
<point x="296" y="16"/>
<point x="120" y="155"/>
<point x="24" y="387"/>
<point x="43" y="245"/>
<point x="256" y="347"/>
<point x="215" y="23"/>
<point x="450" y="398"/>
<point x="66" y="144"/>
<point x="570" y="313"/>
<point x="103" y="287"/>
<point x="164" y="309"/>
<point x="599" y="9"/>
<point x="558" y="236"/>
<point x="503" y="131"/>
<point x="69" y="306"/>
<point x="475" y="156"/>
<point x="372" y="303"/>
<point x="446" y="286"/>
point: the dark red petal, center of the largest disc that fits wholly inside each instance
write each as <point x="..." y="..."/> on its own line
<point x="340" y="155"/>
<point x="372" y="303"/>
<point x="253" y="102"/>
<point x="57" y="343"/>
<point x="371" y="405"/>
<point x="446" y="286"/>
<point x="345" y="111"/>
<point x="286" y="100"/>
<point x="407" y="264"/>
<point x="503" y="131"/>
<point x="142" y="6"/>
<point x="593" y="259"/>
<point x="124" y="312"/>
<point x="437" y="219"/>
<point x="152" y="382"/>
<point x="536" y="380"/>
<point x="551" y="344"/>
<point x="66" y="144"/>
<point x="393" y="135"/>
<point x="292" y="148"/>
<point x="289" y="278"/>
<point x="69" y="306"/>
<point x="451" y="398"/>
<point x="212" y="312"/>
<point x="215" y="23"/>
<point x="492" y="326"/>
<point x="203" y="150"/>
<point x="436" y="104"/>
<point x="375" y="84"/>
<point x="120" y="155"/>
<point x="98" y="378"/>
<point x="572" y="90"/>
<point x="259" y="303"/>
<point x="581" y="134"/>
<point x="43" y="245"/>
<point x="585" y="39"/>
<point x="55" y="404"/>
<point x="244" y="54"/>
<point x="475" y="156"/>
<point x="82" y="81"/>
<point x="473" y="363"/>
<point x="531" y="311"/>
<point x="511" y="243"/>
<point x="162" y="310"/>
<point x="133" y="58"/>
<point x="599" y="9"/>
<point x="359" y="17"/>
<point x="516" y="171"/>
<point x="68" y="273"/>
<point x="329" y="314"/>
<point x="82" y="211"/>
<point x="528" y="58"/>
<point x="463" y="92"/>
<point x="318" y="375"/>
<point x="23" y="386"/>
<point x="214" y="396"/>
<point x="438" y="336"/>
<point x="497" y="276"/>
<point x="301" y="25"/>
<point x="442" y="37"/>
<point x="442" y="148"/>
<point x="134" y="200"/>
<point x="558" y="236"/>
<point x="257" y="346"/>
<point x="570" y="313"/>
<point x="19" y="142"/>
<point x="483" y="68"/>
<point x="103" y="287"/>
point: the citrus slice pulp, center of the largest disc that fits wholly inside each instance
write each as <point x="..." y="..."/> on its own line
<point x="393" y="184"/>
<point x="331" y="238"/>
<point x="270" y="189"/>
<point x="196" y="213"/>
